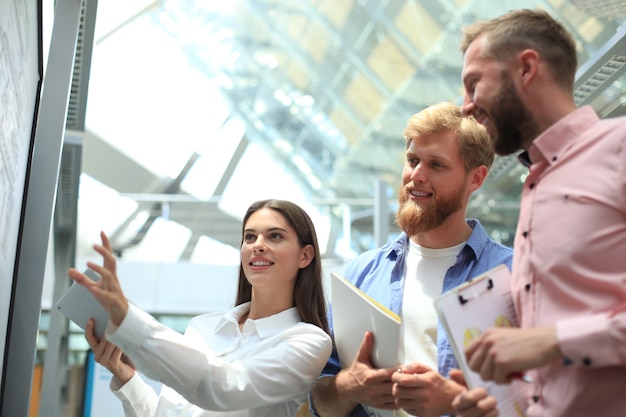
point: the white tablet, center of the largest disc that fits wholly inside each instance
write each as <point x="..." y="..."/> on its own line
<point x="78" y="305"/>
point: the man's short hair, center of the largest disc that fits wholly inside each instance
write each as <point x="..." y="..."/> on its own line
<point x="522" y="29"/>
<point x="475" y="146"/>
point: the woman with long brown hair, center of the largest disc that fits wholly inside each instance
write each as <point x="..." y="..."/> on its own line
<point x="258" y="359"/>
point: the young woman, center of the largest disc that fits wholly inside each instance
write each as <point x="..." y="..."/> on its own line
<point x="258" y="359"/>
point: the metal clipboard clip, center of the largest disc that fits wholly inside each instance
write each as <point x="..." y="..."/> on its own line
<point x="475" y="293"/>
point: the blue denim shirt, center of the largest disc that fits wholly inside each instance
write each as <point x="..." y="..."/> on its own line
<point x="380" y="274"/>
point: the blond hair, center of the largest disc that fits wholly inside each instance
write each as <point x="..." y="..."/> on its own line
<point x="475" y="147"/>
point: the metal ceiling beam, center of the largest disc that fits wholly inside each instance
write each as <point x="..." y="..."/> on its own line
<point x="250" y="117"/>
<point x="348" y="50"/>
<point x="597" y="74"/>
<point x="132" y="180"/>
<point x="199" y="222"/>
<point x="127" y="177"/>
<point x="296" y="53"/>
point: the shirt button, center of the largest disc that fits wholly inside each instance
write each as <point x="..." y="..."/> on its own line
<point x="554" y="158"/>
<point x="525" y="234"/>
<point x="527" y="287"/>
<point x="532" y="185"/>
<point x="536" y="398"/>
<point x="586" y="361"/>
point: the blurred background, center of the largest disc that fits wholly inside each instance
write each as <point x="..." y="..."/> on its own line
<point x="184" y="112"/>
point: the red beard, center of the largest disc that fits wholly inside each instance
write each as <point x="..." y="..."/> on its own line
<point x="414" y="219"/>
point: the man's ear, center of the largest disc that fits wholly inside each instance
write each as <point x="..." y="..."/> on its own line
<point x="477" y="177"/>
<point x="528" y="61"/>
<point x="306" y="256"/>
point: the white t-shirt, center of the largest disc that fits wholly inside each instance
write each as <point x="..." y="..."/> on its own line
<point x="423" y="280"/>
<point x="264" y="370"/>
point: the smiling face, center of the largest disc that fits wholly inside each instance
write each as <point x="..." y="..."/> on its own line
<point x="271" y="254"/>
<point x="492" y="98"/>
<point x="434" y="183"/>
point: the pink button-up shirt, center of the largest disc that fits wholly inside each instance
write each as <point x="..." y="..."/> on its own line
<point x="569" y="267"/>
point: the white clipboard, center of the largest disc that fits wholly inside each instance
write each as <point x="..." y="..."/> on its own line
<point x="78" y="305"/>
<point x="468" y="310"/>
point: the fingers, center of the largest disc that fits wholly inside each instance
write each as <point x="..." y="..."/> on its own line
<point x="105" y="250"/>
<point x="80" y="278"/>
<point x="107" y="290"/>
<point x="105" y="352"/>
<point x="109" y="261"/>
<point x="416" y="368"/>
<point x="125" y="359"/>
<point x="478" y="358"/>
<point x="473" y="354"/>
<point x="408" y="380"/>
<point x="412" y="381"/>
<point x="475" y="403"/>
<point x="105" y="241"/>
<point x="109" y="258"/>
<point x="365" y="350"/>
<point x="482" y="357"/>
<point x="469" y="399"/>
<point x="90" y="335"/>
<point x="471" y="348"/>
<point x="107" y="270"/>
<point x="457" y="376"/>
<point x="487" y="370"/>
<point x="415" y="375"/>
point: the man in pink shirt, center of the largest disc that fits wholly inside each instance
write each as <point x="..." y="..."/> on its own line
<point x="569" y="264"/>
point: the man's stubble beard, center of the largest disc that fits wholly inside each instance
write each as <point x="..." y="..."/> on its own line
<point x="513" y="122"/>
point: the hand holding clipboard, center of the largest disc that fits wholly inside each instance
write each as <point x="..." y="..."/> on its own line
<point x="470" y="309"/>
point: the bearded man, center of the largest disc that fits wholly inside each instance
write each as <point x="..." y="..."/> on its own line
<point x="568" y="282"/>
<point x="448" y="157"/>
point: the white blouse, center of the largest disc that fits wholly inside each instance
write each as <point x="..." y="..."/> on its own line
<point x="264" y="370"/>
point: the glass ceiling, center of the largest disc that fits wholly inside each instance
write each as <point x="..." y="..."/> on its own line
<point x="198" y="108"/>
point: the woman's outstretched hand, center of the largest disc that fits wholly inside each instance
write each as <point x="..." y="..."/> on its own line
<point x="107" y="290"/>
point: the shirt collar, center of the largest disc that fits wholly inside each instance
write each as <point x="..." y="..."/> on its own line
<point x="524" y="159"/>
<point x="476" y="242"/>
<point x="265" y="327"/>
<point x="553" y="142"/>
<point x="478" y="239"/>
